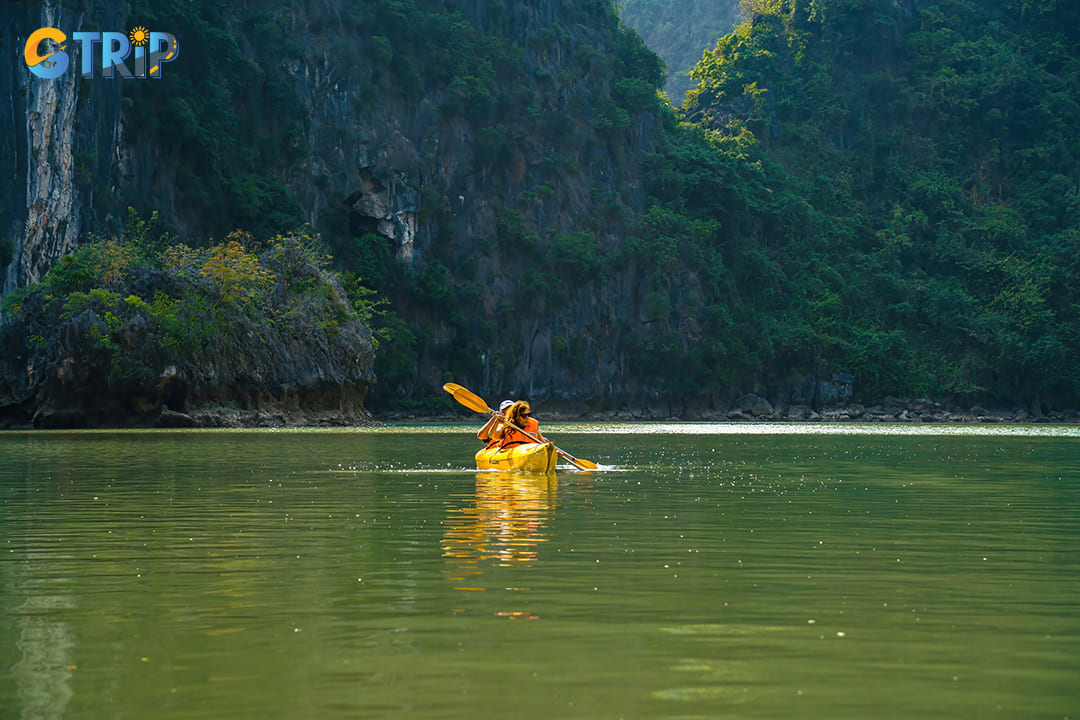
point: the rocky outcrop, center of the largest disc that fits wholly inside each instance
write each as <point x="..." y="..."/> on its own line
<point x="70" y="384"/>
<point x="917" y="410"/>
<point x="387" y="209"/>
<point x="251" y="380"/>
<point x="175" y="349"/>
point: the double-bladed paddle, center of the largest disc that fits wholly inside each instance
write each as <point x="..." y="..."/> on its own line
<point x="477" y="404"/>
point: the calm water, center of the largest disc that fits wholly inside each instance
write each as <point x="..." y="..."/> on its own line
<point x="714" y="571"/>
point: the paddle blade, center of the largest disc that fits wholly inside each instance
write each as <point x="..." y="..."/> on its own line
<point x="587" y="464"/>
<point x="466" y="398"/>
<point x="577" y="462"/>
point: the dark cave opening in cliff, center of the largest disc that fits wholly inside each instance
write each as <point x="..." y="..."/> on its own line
<point x="360" y="224"/>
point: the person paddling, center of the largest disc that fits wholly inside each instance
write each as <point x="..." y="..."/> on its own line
<point x="492" y="432"/>
<point x="520" y="415"/>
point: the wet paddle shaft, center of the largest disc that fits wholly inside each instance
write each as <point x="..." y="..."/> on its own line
<point x="478" y="404"/>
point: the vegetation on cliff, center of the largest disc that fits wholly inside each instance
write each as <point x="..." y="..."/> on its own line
<point x="903" y="184"/>
<point x="853" y="185"/>
<point x="130" y="327"/>
<point x="868" y="188"/>
<point x="518" y="126"/>
<point x="556" y="101"/>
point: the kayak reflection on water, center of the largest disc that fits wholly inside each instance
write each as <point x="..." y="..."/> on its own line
<point x="505" y="522"/>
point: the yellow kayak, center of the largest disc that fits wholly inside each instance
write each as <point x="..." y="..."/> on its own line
<point x="527" y="457"/>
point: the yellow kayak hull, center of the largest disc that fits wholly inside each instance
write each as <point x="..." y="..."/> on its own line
<point x="528" y="457"/>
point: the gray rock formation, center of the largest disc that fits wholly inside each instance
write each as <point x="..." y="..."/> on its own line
<point x="365" y="155"/>
<point x="191" y="358"/>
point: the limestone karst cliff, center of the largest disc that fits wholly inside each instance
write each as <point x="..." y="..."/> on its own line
<point x="880" y="191"/>
<point x="451" y="140"/>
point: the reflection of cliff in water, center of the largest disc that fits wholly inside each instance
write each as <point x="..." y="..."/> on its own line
<point x="504" y="521"/>
<point x="38" y="579"/>
<point x="42" y="673"/>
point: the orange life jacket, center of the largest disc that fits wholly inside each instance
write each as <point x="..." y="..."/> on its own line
<point x="513" y="436"/>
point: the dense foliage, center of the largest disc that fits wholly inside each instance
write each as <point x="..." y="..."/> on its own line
<point x="853" y="184"/>
<point x="898" y="194"/>
<point x="141" y="301"/>
<point x="225" y="124"/>
<point x="883" y="187"/>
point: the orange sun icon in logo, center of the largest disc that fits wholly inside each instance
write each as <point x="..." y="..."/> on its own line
<point x="139" y="35"/>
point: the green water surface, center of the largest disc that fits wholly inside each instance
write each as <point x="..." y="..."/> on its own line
<point x="710" y="571"/>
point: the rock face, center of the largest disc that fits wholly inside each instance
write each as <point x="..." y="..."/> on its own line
<point x="41" y="200"/>
<point x="60" y="141"/>
<point x="426" y="163"/>
<point x="174" y="349"/>
<point x="836" y="389"/>
<point x="250" y="380"/>
<point x="512" y="181"/>
<point x="387" y="209"/>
